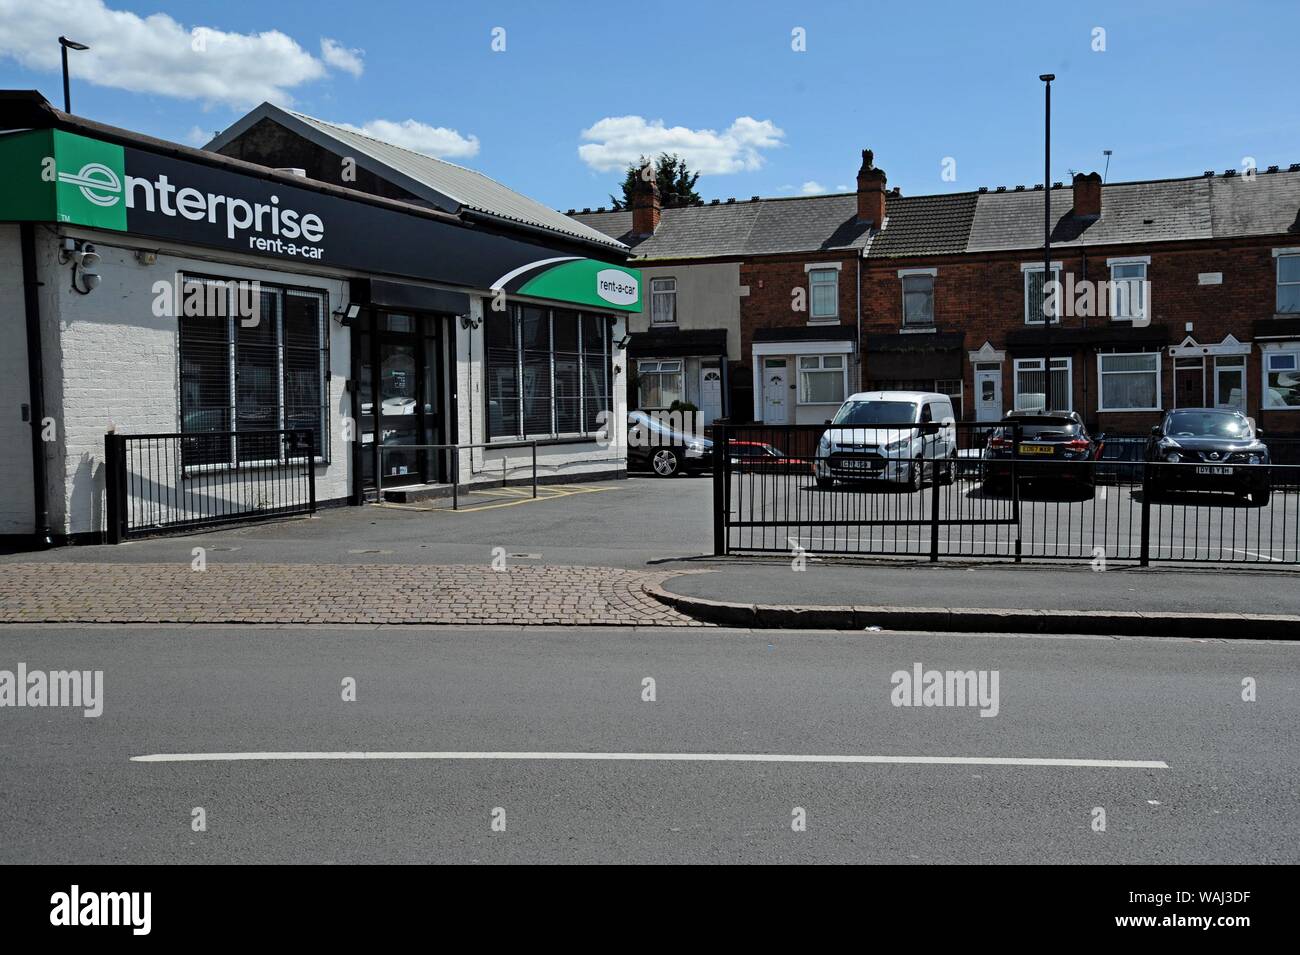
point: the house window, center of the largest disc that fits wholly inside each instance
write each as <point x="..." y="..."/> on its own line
<point x="1288" y="284"/>
<point x="1129" y="382"/>
<point x="821" y="379"/>
<point x="1035" y="301"/>
<point x="823" y="289"/>
<point x="1230" y="382"/>
<point x="661" y="383"/>
<point x="547" y="372"/>
<point x="663" y="301"/>
<point x="1282" y="379"/>
<point x="918" y="300"/>
<point x="952" y="387"/>
<point x="1031" y="385"/>
<point x="1129" y="292"/>
<point x="242" y="373"/>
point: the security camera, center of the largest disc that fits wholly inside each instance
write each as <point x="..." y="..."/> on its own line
<point x="90" y="280"/>
<point x="87" y="257"/>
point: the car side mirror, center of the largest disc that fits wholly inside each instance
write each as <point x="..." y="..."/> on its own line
<point x="1155" y="430"/>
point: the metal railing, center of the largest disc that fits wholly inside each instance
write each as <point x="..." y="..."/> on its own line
<point x="937" y="491"/>
<point x="453" y="451"/>
<point x="159" y="483"/>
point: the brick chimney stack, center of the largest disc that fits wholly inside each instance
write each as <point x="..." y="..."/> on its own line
<point x="645" y="204"/>
<point x="1087" y="195"/>
<point x="871" y="191"/>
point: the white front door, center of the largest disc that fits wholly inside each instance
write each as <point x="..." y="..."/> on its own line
<point x="710" y="393"/>
<point x="988" y="395"/>
<point x="776" y="393"/>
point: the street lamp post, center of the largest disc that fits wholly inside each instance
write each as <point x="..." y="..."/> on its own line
<point x="1047" y="235"/>
<point x="67" y="45"/>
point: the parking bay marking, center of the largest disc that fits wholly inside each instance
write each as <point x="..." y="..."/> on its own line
<point x="657" y="757"/>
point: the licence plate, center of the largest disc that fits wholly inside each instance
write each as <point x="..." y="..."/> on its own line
<point x="1036" y="449"/>
<point x="1212" y="469"/>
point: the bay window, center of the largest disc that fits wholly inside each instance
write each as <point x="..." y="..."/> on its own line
<point x="1128" y="382"/>
<point x="1031" y="385"/>
<point x="1282" y="378"/>
<point x="821" y="379"/>
<point x="660" y="383"/>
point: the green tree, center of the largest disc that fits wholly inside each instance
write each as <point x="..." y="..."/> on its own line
<point x="676" y="182"/>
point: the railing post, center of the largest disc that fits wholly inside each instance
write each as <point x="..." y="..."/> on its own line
<point x="114" y="486"/>
<point x="379" y="462"/>
<point x="534" y="467"/>
<point x="934" y="504"/>
<point x="1144" y="560"/>
<point x="720" y="460"/>
<point x="311" y="471"/>
<point x="1015" y="488"/>
<point x="455" y="476"/>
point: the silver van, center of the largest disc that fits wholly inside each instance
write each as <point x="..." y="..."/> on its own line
<point x="869" y="440"/>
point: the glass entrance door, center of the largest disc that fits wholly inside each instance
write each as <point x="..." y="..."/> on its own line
<point x="399" y="377"/>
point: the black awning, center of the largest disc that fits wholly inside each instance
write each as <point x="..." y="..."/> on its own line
<point x="677" y="343"/>
<point x="406" y="297"/>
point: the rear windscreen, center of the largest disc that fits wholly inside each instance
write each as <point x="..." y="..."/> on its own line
<point x="1047" y="429"/>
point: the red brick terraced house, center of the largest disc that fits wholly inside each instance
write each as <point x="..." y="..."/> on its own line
<point x="1173" y="293"/>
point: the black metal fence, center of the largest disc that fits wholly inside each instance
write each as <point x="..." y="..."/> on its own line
<point x="156" y="483"/>
<point x="969" y="489"/>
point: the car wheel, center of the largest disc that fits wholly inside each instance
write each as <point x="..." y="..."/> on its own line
<point x="915" y="475"/>
<point x="665" y="463"/>
<point x="949" y="472"/>
<point x="825" y="482"/>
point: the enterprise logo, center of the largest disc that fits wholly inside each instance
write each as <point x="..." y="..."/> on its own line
<point x="97" y="182"/>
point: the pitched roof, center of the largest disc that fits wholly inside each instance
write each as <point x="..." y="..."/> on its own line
<point x="1203" y="207"/>
<point x="445" y="185"/>
<point x="754" y="227"/>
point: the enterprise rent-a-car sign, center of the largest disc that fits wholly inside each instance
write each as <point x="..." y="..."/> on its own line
<point x="55" y="176"/>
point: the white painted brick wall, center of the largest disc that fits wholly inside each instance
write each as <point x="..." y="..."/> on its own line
<point x="16" y="506"/>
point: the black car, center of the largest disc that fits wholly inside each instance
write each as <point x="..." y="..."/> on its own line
<point x="1208" y="449"/>
<point x="653" y="444"/>
<point x="1055" y="448"/>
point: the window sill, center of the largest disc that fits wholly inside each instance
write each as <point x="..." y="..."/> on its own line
<point x="544" y="442"/>
<point x="918" y="330"/>
<point x="824" y="321"/>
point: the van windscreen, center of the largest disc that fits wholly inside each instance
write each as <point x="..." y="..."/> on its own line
<point x="876" y="413"/>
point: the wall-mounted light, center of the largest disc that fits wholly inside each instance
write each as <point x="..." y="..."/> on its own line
<point x="146" y="256"/>
<point x="85" y="264"/>
<point x="622" y="343"/>
<point x="346" y="316"/>
<point x="468" y="321"/>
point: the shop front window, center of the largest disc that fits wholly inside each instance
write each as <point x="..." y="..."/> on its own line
<point x="258" y="373"/>
<point x="547" y="372"/>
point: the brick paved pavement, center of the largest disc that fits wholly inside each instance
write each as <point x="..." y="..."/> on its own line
<point x="330" y="593"/>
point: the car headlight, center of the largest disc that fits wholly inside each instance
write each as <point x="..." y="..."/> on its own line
<point x="1173" y="457"/>
<point x="895" y="447"/>
<point x="1253" y="459"/>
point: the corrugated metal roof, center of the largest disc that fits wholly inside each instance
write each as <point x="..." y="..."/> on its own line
<point x="447" y="185"/>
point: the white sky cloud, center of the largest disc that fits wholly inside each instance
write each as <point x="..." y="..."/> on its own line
<point x="337" y="55"/>
<point x="615" y="142"/>
<point x="158" y="55"/>
<point x="812" y="188"/>
<point x="437" y="141"/>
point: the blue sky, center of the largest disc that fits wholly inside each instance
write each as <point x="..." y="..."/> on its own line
<point x="1180" y="87"/>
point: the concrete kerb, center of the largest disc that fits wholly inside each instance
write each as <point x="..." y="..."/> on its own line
<point x="1243" y="626"/>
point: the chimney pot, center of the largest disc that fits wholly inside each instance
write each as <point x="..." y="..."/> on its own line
<point x="1087" y="195"/>
<point x="645" y="206"/>
<point x="871" y="190"/>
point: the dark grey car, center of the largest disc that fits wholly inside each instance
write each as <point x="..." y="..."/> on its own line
<point x="1208" y="449"/>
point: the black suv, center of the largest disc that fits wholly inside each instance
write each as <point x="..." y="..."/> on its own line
<point x="1208" y="449"/>
<point x="1055" y="448"/>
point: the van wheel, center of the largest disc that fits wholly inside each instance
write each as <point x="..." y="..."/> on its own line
<point x="949" y="473"/>
<point x="915" y="475"/>
<point x="664" y="462"/>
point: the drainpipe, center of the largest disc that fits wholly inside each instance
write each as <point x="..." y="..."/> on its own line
<point x="857" y="346"/>
<point x="36" y="383"/>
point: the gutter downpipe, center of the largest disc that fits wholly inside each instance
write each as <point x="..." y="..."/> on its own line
<point x="36" y="385"/>
<point x="857" y="346"/>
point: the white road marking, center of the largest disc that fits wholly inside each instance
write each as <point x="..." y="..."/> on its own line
<point x="658" y="757"/>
